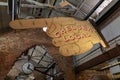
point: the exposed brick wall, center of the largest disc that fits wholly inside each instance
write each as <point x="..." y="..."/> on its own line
<point x="13" y="43"/>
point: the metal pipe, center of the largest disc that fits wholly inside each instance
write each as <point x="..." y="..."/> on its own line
<point x="92" y="11"/>
<point x="39" y="4"/>
<point x="13" y="9"/>
<point x="31" y="6"/>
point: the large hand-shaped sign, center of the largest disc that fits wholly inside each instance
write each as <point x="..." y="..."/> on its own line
<point x="70" y="35"/>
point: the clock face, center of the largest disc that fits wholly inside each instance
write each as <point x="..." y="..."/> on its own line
<point x="28" y="68"/>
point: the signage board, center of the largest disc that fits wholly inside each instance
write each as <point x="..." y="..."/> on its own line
<point x="72" y="36"/>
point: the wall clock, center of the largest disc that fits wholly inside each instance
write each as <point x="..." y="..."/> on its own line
<point x="28" y="68"/>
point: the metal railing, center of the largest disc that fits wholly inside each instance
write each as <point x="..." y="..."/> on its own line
<point x="112" y="44"/>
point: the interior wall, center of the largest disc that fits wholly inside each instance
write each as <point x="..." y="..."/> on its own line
<point x="112" y="30"/>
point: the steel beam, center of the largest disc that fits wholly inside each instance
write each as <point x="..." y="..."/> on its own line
<point x="92" y="11"/>
<point x="109" y="16"/>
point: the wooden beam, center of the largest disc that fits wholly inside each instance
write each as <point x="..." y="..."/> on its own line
<point x="99" y="59"/>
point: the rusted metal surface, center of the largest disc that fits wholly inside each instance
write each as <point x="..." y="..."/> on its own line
<point x="13" y="43"/>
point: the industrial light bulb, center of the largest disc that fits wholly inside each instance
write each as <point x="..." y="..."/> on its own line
<point x="44" y="29"/>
